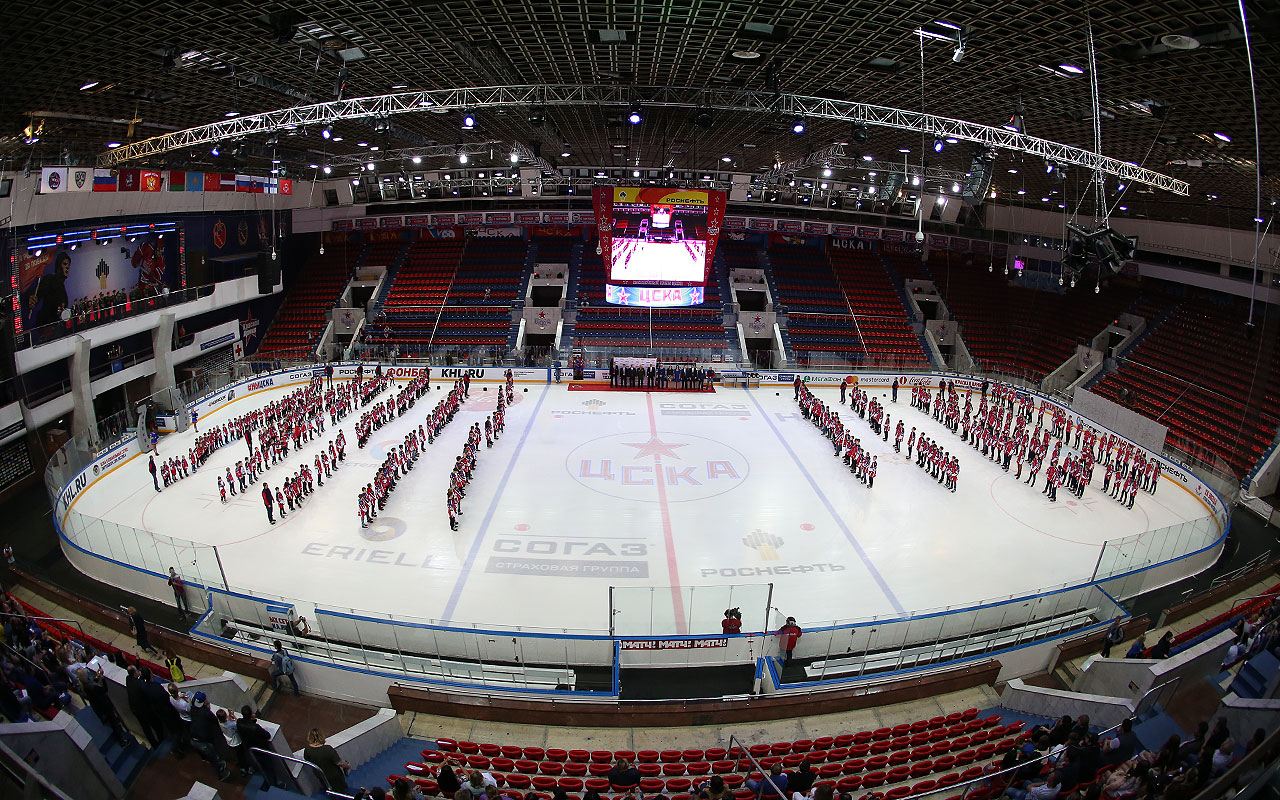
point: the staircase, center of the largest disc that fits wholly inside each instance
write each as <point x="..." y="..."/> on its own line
<point x="517" y="305"/>
<point x="767" y="266"/>
<point x="125" y="760"/>
<point x="1257" y="678"/>
<point x="393" y="269"/>
<point x="1147" y="331"/>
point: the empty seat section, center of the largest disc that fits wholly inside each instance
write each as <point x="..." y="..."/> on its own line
<point x="304" y="313"/>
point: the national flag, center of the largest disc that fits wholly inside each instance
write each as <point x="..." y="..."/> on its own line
<point x="213" y="181"/>
<point x="130" y="180"/>
<point x="150" y="179"/>
<point x="53" y="180"/>
<point x="257" y="184"/>
<point x="79" y="179"/>
<point x="104" y="180"/>
<point x="244" y="183"/>
<point x="226" y="181"/>
<point x="195" y="181"/>
<point x="286" y="186"/>
<point x="177" y="180"/>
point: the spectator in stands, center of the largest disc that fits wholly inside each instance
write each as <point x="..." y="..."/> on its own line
<point x="1135" y="649"/>
<point x="1048" y="790"/>
<point x="401" y="790"/>
<point x="1190" y="749"/>
<point x="1122" y="746"/>
<point x="93" y="686"/>
<point x="182" y="707"/>
<point x="478" y="780"/>
<point x="152" y="726"/>
<point x="1162" y="647"/>
<point x="161" y="707"/>
<point x="253" y="735"/>
<point x="773" y="788"/>
<point x="227" y="722"/>
<point x="138" y="627"/>
<point x="206" y="733"/>
<point x="801" y="781"/>
<point x="713" y="789"/>
<point x="328" y="760"/>
<point x="622" y="777"/>
<point x="447" y="780"/>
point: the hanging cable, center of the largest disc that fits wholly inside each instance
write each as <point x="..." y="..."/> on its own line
<point x="1099" y="186"/>
<point x="1257" y="163"/>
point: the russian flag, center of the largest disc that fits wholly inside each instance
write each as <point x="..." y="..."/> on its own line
<point x="104" y="180"/>
<point x="244" y="183"/>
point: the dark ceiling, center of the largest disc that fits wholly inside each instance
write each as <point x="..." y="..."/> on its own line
<point x="1171" y="74"/>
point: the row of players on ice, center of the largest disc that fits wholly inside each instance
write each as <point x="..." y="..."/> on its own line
<point x="1001" y="429"/>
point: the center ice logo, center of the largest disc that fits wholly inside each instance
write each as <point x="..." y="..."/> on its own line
<point x="650" y="467"/>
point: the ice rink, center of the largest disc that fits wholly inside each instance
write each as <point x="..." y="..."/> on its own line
<point x="593" y="489"/>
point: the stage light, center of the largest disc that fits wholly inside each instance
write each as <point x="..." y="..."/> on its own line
<point x="904" y="149"/>
<point x="1097" y="289"/>
<point x="515" y="157"/>
<point x="798" y="125"/>
<point x="327" y="169"/>
<point x="74" y="246"/>
<point x="38" y="251"/>
<point x="1222" y="137"/>
<point x="326" y="132"/>
<point x="369" y="166"/>
<point x="859" y="132"/>
<point x="88" y="86"/>
<point x="868" y="157"/>
<point x="957" y="55"/>
<point x="937" y="145"/>
<point x="1049" y="167"/>
<point x="566" y="154"/>
<point x="635" y="173"/>
<point x="462" y="158"/>
<point x="1016" y="122"/>
<point x="112" y="145"/>
<point x="955" y="187"/>
<point x="322" y="248"/>
<point x="702" y="119"/>
<point x="214" y="151"/>
<point x="1071" y="68"/>
<point x="915" y="180"/>
<point x="634" y="117"/>
<point x="468" y="120"/>
<point x="826" y="172"/>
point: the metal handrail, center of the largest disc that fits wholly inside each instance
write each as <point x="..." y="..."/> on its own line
<point x="76" y="622"/>
<point x="1239" y="600"/>
<point x="733" y="740"/>
<point x="324" y="781"/>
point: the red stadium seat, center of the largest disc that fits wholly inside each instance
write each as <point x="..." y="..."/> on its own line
<point x="511" y="751"/>
<point x="649" y="770"/>
<point x="899" y="774"/>
<point x="517" y="781"/>
<point x="647" y="756"/>
<point x="551" y="768"/>
<point x="477" y="762"/>
<point x="575" y="768"/>
<point x="794" y="760"/>
<point x="652" y="785"/>
<point x="722" y="767"/>
<point x="698" y="768"/>
<point x="898" y="793"/>
<point x="534" y="753"/>
<point x="601" y="756"/>
<point x="596" y="784"/>
<point x="849" y="783"/>
<point x="921" y="768"/>
<point x="490" y="750"/>
<point x="447" y="745"/>
<point x="873" y="779"/>
<point x="599" y="770"/>
<point x="854" y="765"/>
<point x="556" y="754"/>
<point x="544" y="783"/>
<point x="830" y="770"/>
<point x="715" y="754"/>
<point x="427" y="787"/>
<point x="801" y="746"/>
<point x="863" y="737"/>
<point x="468" y="748"/>
<point x="823" y="743"/>
<point x="433" y="756"/>
<point x="844" y="740"/>
<point x="678" y="784"/>
<point x="580" y="756"/>
<point x="673" y="770"/>
<point x="570" y="784"/>
<point x="503" y="764"/>
<point x="526" y="766"/>
<point x="924" y="787"/>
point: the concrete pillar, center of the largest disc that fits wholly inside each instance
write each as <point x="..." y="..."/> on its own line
<point x="162" y="347"/>
<point x="84" y="421"/>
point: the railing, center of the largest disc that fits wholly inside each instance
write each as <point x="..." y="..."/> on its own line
<point x="324" y="781"/>
<point x="105" y="315"/>
<point x="75" y="622"/>
<point x="24" y="775"/>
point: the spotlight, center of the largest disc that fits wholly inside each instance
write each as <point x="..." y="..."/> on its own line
<point x="702" y="119"/>
<point x="468" y="120"/>
<point x="798" y="125"/>
<point x="958" y="54"/>
<point x="635" y="173"/>
<point x="515" y="157"/>
<point x="417" y="159"/>
<point x="327" y="169"/>
<point x="326" y="132"/>
<point x="1016" y="122"/>
<point x="859" y="132"/>
<point x="1049" y="167"/>
<point x="1222" y="137"/>
<point x="1097" y="289"/>
<point x="322" y="248"/>
<point x="39" y="251"/>
<point x="955" y="187"/>
<point x="215" y="151"/>
<point x="462" y="158"/>
<point x="634" y="117"/>
<point x="826" y="172"/>
<point x="369" y="166"/>
<point x="915" y="180"/>
<point x="937" y="145"/>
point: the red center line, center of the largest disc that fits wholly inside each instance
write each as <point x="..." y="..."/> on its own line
<point x="673" y="571"/>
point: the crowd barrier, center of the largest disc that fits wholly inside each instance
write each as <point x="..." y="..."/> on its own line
<point x="357" y="654"/>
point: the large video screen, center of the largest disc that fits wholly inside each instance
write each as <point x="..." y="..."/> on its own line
<point x="656" y="235"/>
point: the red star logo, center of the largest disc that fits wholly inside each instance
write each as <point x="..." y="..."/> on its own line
<point x="542" y="315"/>
<point x="757" y="318"/>
<point x="655" y="447"/>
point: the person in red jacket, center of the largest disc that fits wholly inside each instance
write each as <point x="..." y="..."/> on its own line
<point x="732" y="622"/>
<point x="790" y="634"/>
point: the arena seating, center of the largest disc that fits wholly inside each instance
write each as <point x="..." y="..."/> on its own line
<point x="447" y="279"/>
<point x="897" y="761"/>
<point x="1014" y="329"/>
<point x="1194" y="373"/>
<point x="821" y="291"/>
<point x="306" y="304"/>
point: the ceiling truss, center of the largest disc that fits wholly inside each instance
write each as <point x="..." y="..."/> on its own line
<point x="742" y="101"/>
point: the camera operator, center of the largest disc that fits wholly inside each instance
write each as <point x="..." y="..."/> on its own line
<point x="732" y="622"/>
